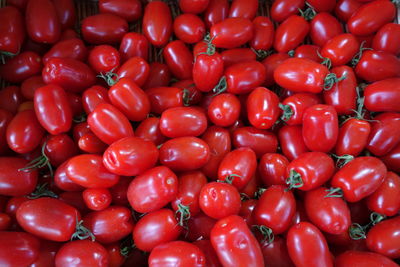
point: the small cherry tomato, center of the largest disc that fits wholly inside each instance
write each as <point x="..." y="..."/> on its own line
<point x="103" y="58"/>
<point x="134" y="45"/>
<point x="324" y="27"/>
<point x="231" y="32"/>
<point x="82" y="252"/>
<point x="290" y="33"/>
<point x="97" y="198"/>
<point x="262" y="108"/>
<point x="183" y="121"/>
<point x="21" y="67"/>
<point x="157" y="23"/>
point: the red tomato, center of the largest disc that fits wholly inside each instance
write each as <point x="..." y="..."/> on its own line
<point x="307" y="246"/>
<point x="324" y="27"/>
<point x="130" y="10"/>
<point x="179" y="59"/>
<point x="157" y="23"/>
<point x="60" y="148"/>
<point x="183" y="121"/>
<point x="275" y="209"/>
<point x="48" y="218"/>
<point x="260" y="141"/>
<point x="308" y="51"/>
<point x="193" y="6"/>
<point x="115" y="258"/>
<point x="189" y="28"/>
<point x="217" y="11"/>
<point x="163" y="98"/>
<point x="310" y="170"/>
<point x="149" y="130"/>
<point x="5" y="118"/>
<point x="262" y="108"/>
<point x="243" y="9"/>
<point x="42" y="22"/>
<point x="237" y="55"/>
<point x="62" y="181"/>
<point x="231" y="32"/>
<point x="135" y="68"/>
<point x="323" y="6"/>
<point x="159" y="75"/>
<point x="200" y="226"/>
<point x="271" y="63"/>
<point x="290" y="33"/>
<point x="93" y="96"/>
<point x="360" y="178"/>
<point x="292" y="142"/>
<point x="88" y="171"/>
<point x="383" y="95"/>
<point x="367" y="21"/>
<point x="109" y="124"/>
<point x="386" y="199"/>
<point x="184" y="153"/>
<point x="263" y="33"/>
<point x="243" y="77"/>
<point x="71" y="48"/>
<point x="103" y="29"/>
<point x="295" y="105"/>
<point x="352" y="138"/>
<point x="156" y="228"/>
<point x="90" y="143"/>
<point x="385" y="133"/>
<point x="276" y="253"/>
<point x="52" y="109"/>
<point x="103" y="58"/>
<point x="235" y="244"/>
<point x="224" y="110"/>
<point x="21" y="67"/>
<point x="209" y="252"/>
<point x="29" y="86"/>
<point x="363" y="259"/>
<point x="391" y="159"/>
<point x="282" y="9"/>
<point x="320" y="127"/>
<point x="81" y="252"/>
<point x="383" y="238"/>
<point x="210" y="65"/>
<point x="133" y="45"/>
<point x="66" y="13"/>
<point x="346" y="8"/>
<point x="97" y="198"/>
<point x="18" y="248"/>
<point x="272" y="169"/>
<point x="12" y="30"/>
<point x="377" y="65"/>
<point x="387" y="39"/>
<point x="340" y="49"/>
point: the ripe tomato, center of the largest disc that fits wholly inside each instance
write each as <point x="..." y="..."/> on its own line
<point x="385" y="133"/>
<point x="377" y="65"/>
<point x="382" y="238"/>
<point x="93" y="96"/>
<point x="88" y="171"/>
<point x="237" y="55"/>
<point x="29" y="86"/>
<point x="292" y="141"/>
<point x="21" y="67"/>
<point x="135" y="68"/>
<point x="323" y="6"/>
<point x="262" y="108"/>
<point x="149" y="130"/>
<point x="60" y="148"/>
<point x="363" y="259"/>
<point x="307" y="246"/>
<point x="224" y="109"/>
<point x="210" y="65"/>
<point x="103" y="29"/>
<point x="275" y="209"/>
<point x="308" y="51"/>
<point x="243" y="77"/>
<point x="12" y="30"/>
<point x="290" y="33"/>
<point x="97" y="198"/>
<point x="260" y="141"/>
<point x="209" y="252"/>
<point x="179" y="59"/>
<point x="217" y="11"/>
<point x="159" y="75"/>
<point x="383" y="95"/>
<point x="193" y="6"/>
<point x="233" y="230"/>
<point x="282" y="9"/>
<point x="231" y="32"/>
<point x="360" y="178"/>
<point x="5" y="118"/>
<point x="156" y="228"/>
<point x="263" y="33"/>
<point x="387" y="39"/>
<point x="157" y="23"/>
<point x="62" y="181"/>
<point x="391" y="159"/>
<point x="324" y="27"/>
<point x="82" y="252"/>
<point x="352" y="138"/>
<point x="71" y="48"/>
<point x="66" y="13"/>
<point x="183" y="121"/>
<point x="103" y="58"/>
<point x="276" y="253"/>
<point x="346" y="8"/>
<point x="130" y="10"/>
<point x="243" y="9"/>
<point x="295" y="105"/>
<point x="189" y="28"/>
<point x="48" y="218"/>
<point x="271" y="63"/>
<point x="272" y="169"/>
<point x="340" y="49"/>
<point x="18" y="248"/>
<point x="133" y="45"/>
<point x="163" y="98"/>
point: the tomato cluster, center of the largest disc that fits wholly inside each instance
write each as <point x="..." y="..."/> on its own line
<point x="200" y="133"/>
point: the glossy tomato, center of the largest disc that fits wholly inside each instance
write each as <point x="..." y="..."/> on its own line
<point x="21" y="67"/>
<point x="224" y="109"/>
<point x="352" y="138"/>
<point x="130" y="10"/>
<point x="189" y="28"/>
<point x="71" y="48"/>
<point x="12" y="30"/>
<point x="383" y="238"/>
<point x="135" y="68"/>
<point x="243" y="77"/>
<point x="157" y="23"/>
<point x="363" y="259"/>
<point x="292" y="141"/>
<point x="82" y="252"/>
<point x="260" y="141"/>
<point x="340" y="49"/>
<point x="263" y="33"/>
<point x="217" y="11"/>
<point x="262" y="108"/>
<point x="183" y="121"/>
<point x="231" y="32"/>
<point x="290" y="33"/>
<point x="97" y="198"/>
<point x="18" y="248"/>
<point x="134" y="45"/>
<point x="324" y="27"/>
<point x="383" y="95"/>
<point x="210" y="65"/>
<point x="272" y="169"/>
<point x="66" y="13"/>
<point x="179" y="59"/>
<point x="387" y="39"/>
<point x="377" y="65"/>
<point x="103" y="29"/>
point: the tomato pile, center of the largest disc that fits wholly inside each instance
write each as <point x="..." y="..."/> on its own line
<point x="200" y="133"/>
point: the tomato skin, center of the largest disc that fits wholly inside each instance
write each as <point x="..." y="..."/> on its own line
<point x="387" y="39"/>
<point x="18" y="248"/>
<point x="29" y="86"/>
<point x="163" y="98"/>
<point x="103" y="58"/>
<point x="48" y="218"/>
<point x="12" y="30"/>
<point x="189" y="28"/>
<point x="301" y="75"/>
<point x="10" y="99"/>
<point x="90" y="143"/>
<point x="237" y="55"/>
<point x="179" y="59"/>
<point x="298" y="103"/>
<point x="383" y="238"/>
<point x="183" y="121"/>
<point x="217" y="11"/>
<point x="383" y="95"/>
<point x="243" y="9"/>
<point x="353" y="137"/>
<point x="159" y="75"/>
<point x="282" y="9"/>
<point x="52" y="109"/>
<point x="340" y="49"/>
<point x="103" y="29"/>
<point x="133" y="45"/>
<point x="324" y="27"/>
<point x="291" y="141"/>
<point x="119" y="191"/>
<point x="93" y="96"/>
<point x="117" y="125"/>
<point x="346" y="8"/>
<point x="243" y="77"/>
<point x="130" y="10"/>
<point x="157" y="23"/>
<point x="360" y="178"/>
<point x="5" y="119"/>
<point x="209" y="253"/>
<point x="225" y="233"/>
<point x="156" y="228"/>
<point x="276" y="253"/>
<point x="386" y="199"/>
<point x="366" y="20"/>
<point x="135" y="68"/>
<point x="363" y="259"/>
<point x="231" y="32"/>
<point x="271" y="63"/>
<point x="272" y="169"/>
<point x="290" y="33"/>
<point x="308" y="51"/>
<point x="323" y="6"/>
<point x="260" y="141"/>
<point x="97" y="198"/>
<point x="66" y="13"/>
<point x="307" y="246"/>
<point x="62" y="181"/>
<point x="21" y="67"/>
<point x="275" y="209"/>
<point x="82" y="253"/>
<point x="149" y="130"/>
<point x="71" y="48"/>
<point x="262" y="108"/>
<point x="224" y="109"/>
<point x="88" y="171"/>
<point x="263" y="33"/>
<point x="193" y="6"/>
<point x="384" y="134"/>
<point x="43" y="25"/>
<point x="211" y="66"/>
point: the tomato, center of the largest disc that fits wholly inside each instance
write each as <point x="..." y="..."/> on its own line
<point x="272" y="169"/>
<point x="11" y="99"/>
<point x="130" y="99"/>
<point x="310" y="170"/>
<point x="237" y="55"/>
<point x="62" y="181"/>
<point x="193" y="6"/>
<point x="81" y="252"/>
<point x="363" y="259"/>
<point x="352" y="138"/>
<point x="217" y="11"/>
<point x="159" y="75"/>
<point x="260" y="141"/>
<point x="291" y="141"/>
<point x="282" y="9"/>
<point x="103" y="58"/>
<point x="231" y="32"/>
<point x="115" y="258"/>
<point x="199" y="226"/>
<point x="48" y="218"/>
<point x="391" y="159"/>
<point x="386" y="199"/>
<point x="119" y="191"/>
<point x="43" y="24"/>
<point x="18" y="248"/>
<point x="133" y="45"/>
<point x="130" y="10"/>
<point x="156" y="228"/>
<point x="71" y="48"/>
<point x="383" y="95"/>
<point x="295" y="105"/>
<point x="263" y="33"/>
<point x="271" y="63"/>
<point x="189" y="28"/>
<point x="275" y="209"/>
<point x="243" y="9"/>
<point x="307" y="246"/>
<point x="184" y="153"/>
<point x="66" y="13"/>
<point x="301" y="75"/>
<point x="183" y="121"/>
<point x="210" y="65"/>
<point x="276" y="253"/>
<point x="94" y="96"/>
<point x="179" y="59"/>
<point x="324" y="27"/>
<point x="21" y="67"/>
<point x="224" y="109"/>
<point x="209" y="253"/>
<point x="290" y="33"/>
<point x="384" y="134"/>
<point x="308" y="51"/>
<point x="340" y="49"/>
<point x="163" y="98"/>
<point x="97" y="198"/>
<point x="103" y="29"/>
<point x="234" y="244"/>
<point x="360" y="178"/>
<point x="135" y="68"/>
<point x="60" y="148"/>
<point x="88" y="171"/>
<point x="52" y="109"/>
<point x="5" y="119"/>
<point x="12" y="30"/>
<point x="29" y="86"/>
<point x="243" y="77"/>
<point x="383" y="238"/>
<point x="262" y="108"/>
<point x="68" y="34"/>
<point x="383" y="64"/>
<point x="14" y="182"/>
<point x="109" y="124"/>
<point x="346" y="8"/>
<point x="157" y="23"/>
<point x="367" y="21"/>
<point x="387" y="39"/>
<point x="149" y="130"/>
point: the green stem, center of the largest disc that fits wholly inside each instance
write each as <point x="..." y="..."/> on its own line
<point x="331" y="79"/>
<point x="39" y="162"/>
<point x="183" y="212"/>
<point x="357" y="232"/>
<point x="294" y="180"/>
<point x="342" y="160"/>
<point x="357" y="57"/>
<point x="287" y="112"/>
<point x="42" y="191"/>
<point x="221" y="87"/>
<point x="82" y="232"/>
<point x="109" y="77"/>
<point x="268" y="235"/>
<point x="334" y="192"/>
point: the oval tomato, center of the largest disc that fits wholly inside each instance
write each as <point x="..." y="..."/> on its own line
<point x="21" y="67"/>
<point x="224" y="109"/>
<point x="193" y="6"/>
<point x="352" y="138"/>
<point x="217" y="11"/>
<point x="62" y="181"/>
<point x="290" y="33"/>
<point x="262" y="108"/>
<point x="271" y="63"/>
<point x="210" y="65"/>
<point x="363" y="259"/>
<point x="231" y="32"/>
<point x="260" y="141"/>
<point x="71" y="48"/>
<point x="12" y="30"/>
<point x="157" y="23"/>
<point x="179" y="59"/>
<point x="346" y="8"/>
<point x="97" y="198"/>
<point x="292" y="141"/>
<point x="263" y="33"/>
<point x="133" y="44"/>
<point x="103" y="29"/>
<point x="130" y="10"/>
<point x="189" y="28"/>
<point x="66" y="13"/>
<point x="387" y="39"/>
<point x="81" y="252"/>
<point x="340" y="49"/>
<point x="383" y="95"/>
<point x="103" y="58"/>
<point x="135" y="68"/>
<point x="383" y="238"/>
<point x="295" y="105"/>
<point x="243" y="77"/>
<point x="272" y="169"/>
<point x="18" y="248"/>
<point x="324" y="27"/>
<point x="282" y="9"/>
